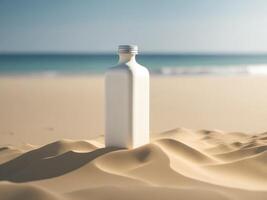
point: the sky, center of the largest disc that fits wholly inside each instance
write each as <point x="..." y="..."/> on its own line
<point x="92" y="26"/>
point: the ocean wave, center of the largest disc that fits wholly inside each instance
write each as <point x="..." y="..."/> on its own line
<point x="213" y="70"/>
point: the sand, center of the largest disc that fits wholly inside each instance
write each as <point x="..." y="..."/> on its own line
<point x="40" y="110"/>
<point x="196" y="163"/>
<point x="177" y="164"/>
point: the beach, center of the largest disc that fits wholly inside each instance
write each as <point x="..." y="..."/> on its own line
<point x="133" y="100"/>
<point x="39" y="110"/>
<point x="208" y="140"/>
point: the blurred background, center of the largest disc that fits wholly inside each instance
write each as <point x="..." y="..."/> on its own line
<point x="174" y="36"/>
<point x="207" y="59"/>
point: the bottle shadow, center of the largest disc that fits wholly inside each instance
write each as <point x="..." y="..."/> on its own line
<point x="44" y="163"/>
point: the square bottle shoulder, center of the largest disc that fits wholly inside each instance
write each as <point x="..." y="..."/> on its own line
<point x="128" y="68"/>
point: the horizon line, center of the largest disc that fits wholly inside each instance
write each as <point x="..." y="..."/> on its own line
<point x="142" y="53"/>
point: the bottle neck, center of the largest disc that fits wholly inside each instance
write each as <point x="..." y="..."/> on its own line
<point x="126" y="57"/>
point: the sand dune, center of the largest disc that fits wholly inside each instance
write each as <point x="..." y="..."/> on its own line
<point x="241" y="153"/>
<point x="248" y="172"/>
<point x="177" y="164"/>
<point x="181" y="150"/>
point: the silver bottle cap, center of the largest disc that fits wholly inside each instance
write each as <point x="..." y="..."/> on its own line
<point x="133" y="49"/>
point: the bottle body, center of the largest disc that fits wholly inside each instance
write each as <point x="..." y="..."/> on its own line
<point x="127" y="105"/>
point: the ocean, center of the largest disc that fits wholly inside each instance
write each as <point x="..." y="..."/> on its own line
<point x="164" y="64"/>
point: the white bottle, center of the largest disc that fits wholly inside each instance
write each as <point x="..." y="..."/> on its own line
<point x="127" y="101"/>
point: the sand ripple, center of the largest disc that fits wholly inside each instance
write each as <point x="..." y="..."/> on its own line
<point x="178" y="164"/>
